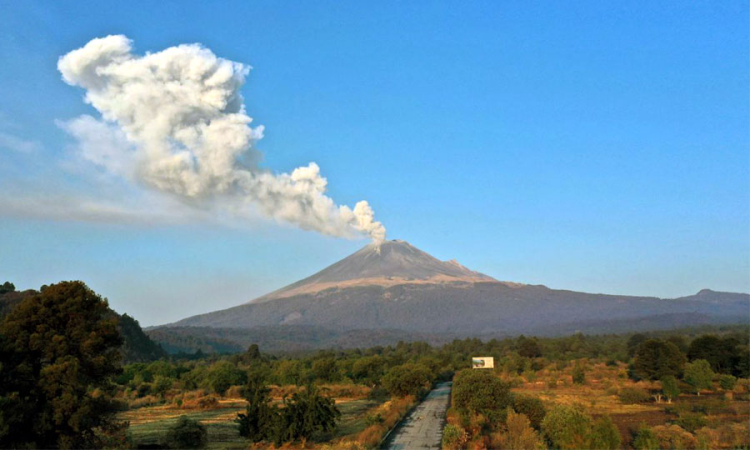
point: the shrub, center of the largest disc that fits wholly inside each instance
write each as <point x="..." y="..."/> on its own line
<point x="518" y="434"/>
<point x="708" y="439"/>
<point x="186" y="433"/>
<point x="579" y="374"/>
<point x="727" y="382"/>
<point x="691" y="421"/>
<point x="223" y="374"/>
<point x="531" y="407"/>
<point x="735" y="435"/>
<point x="407" y="379"/>
<point x="673" y="436"/>
<point x="645" y="439"/>
<point x="604" y="435"/>
<point x="454" y="437"/>
<point x="481" y="392"/>
<point x="633" y="395"/>
<point x="567" y="427"/>
<point x="374" y="419"/>
<point x="161" y="385"/>
<point x="304" y="415"/>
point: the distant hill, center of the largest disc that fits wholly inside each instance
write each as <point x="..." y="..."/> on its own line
<point x="137" y="346"/>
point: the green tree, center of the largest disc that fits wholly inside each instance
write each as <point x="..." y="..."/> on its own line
<point x="698" y="375"/>
<point x="324" y="369"/>
<point x="579" y="373"/>
<point x="519" y="435"/>
<point x="252" y="353"/>
<point x="645" y="439"/>
<point x="7" y="287"/>
<point x="604" y="435"/>
<point x="290" y="372"/>
<point x="186" y="433"/>
<point x="260" y="420"/>
<point x="727" y="382"/>
<point x="531" y="407"/>
<point x="368" y="369"/>
<point x="655" y="359"/>
<point x="679" y="342"/>
<point x="670" y="388"/>
<point x="59" y="351"/>
<point x="479" y="391"/>
<point x="567" y="427"/>
<point x="306" y="414"/>
<point x="222" y="375"/>
<point x="633" y="343"/>
<point x="720" y="353"/>
<point x="528" y="348"/>
<point x="161" y="385"/>
<point x="407" y="379"/>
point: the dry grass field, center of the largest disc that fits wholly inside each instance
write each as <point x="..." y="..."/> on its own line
<point x="601" y="391"/>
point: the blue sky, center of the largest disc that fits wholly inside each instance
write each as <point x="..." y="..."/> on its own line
<point x="592" y="146"/>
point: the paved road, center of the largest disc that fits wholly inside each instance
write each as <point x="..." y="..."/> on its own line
<point x="423" y="427"/>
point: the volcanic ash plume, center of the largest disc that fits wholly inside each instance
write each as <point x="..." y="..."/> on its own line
<point x="175" y="121"/>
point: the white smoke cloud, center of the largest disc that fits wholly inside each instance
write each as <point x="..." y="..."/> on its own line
<point x="175" y="121"/>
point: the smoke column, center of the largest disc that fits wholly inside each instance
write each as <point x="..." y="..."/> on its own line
<point x="175" y="121"/>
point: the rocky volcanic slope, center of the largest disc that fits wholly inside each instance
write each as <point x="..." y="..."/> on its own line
<point x="396" y="286"/>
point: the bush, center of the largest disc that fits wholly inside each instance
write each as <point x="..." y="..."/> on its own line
<point x="481" y="392"/>
<point x="161" y="385"/>
<point x="454" y="437"/>
<point x="531" y="407"/>
<point x="633" y="395"/>
<point x="673" y="436"/>
<point x="579" y="374"/>
<point x="186" y="433"/>
<point x="567" y="427"/>
<point x="223" y="374"/>
<point x="605" y="435"/>
<point x="691" y="421"/>
<point x="303" y="415"/>
<point x="727" y="382"/>
<point x="407" y="379"/>
<point x="519" y="435"/>
<point x="645" y="439"/>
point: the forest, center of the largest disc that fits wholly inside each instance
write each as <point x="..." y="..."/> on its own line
<point x="75" y="374"/>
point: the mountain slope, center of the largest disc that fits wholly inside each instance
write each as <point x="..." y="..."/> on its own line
<point x="394" y="286"/>
<point x="383" y="264"/>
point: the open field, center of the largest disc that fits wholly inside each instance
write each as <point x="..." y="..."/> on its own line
<point x="150" y="424"/>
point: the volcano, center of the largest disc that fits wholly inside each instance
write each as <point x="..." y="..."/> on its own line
<point x="397" y="287"/>
<point x="388" y="263"/>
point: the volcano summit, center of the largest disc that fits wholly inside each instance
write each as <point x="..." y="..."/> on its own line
<point x="387" y="263"/>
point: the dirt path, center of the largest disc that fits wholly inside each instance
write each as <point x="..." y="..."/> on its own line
<point x="423" y="427"/>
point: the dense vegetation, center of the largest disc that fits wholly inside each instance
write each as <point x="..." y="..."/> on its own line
<point x="62" y="384"/>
